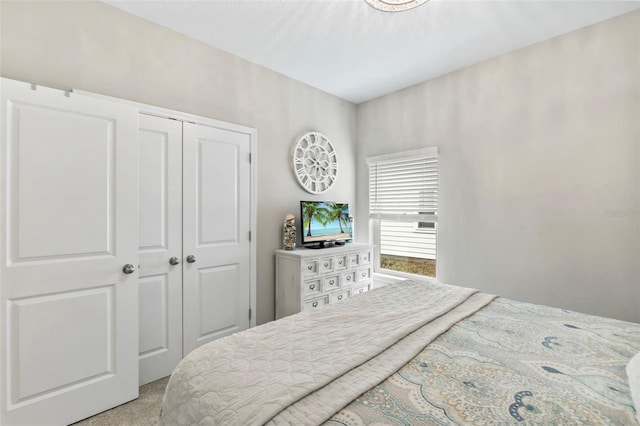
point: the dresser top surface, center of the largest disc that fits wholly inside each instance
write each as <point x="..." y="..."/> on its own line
<point x="328" y="251"/>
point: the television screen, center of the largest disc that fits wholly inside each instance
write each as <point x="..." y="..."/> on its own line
<point x="324" y="221"/>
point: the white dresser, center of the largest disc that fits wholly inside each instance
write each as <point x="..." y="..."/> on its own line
<point x="309" y="278"/>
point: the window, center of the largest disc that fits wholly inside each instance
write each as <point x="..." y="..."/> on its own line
<point x="403" y="209"/>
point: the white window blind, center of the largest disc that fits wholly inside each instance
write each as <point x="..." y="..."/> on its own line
<point x="404" y="186"/>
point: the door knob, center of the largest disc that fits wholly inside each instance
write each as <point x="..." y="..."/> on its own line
<point x="191" y="259"/>
<point x="128" y="268"/>
<point x="174" y="260"/>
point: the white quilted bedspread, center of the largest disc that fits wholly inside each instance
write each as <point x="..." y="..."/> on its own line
<point x="304" y="368"/>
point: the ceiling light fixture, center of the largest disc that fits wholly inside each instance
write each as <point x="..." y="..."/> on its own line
<point x="394" y="5"/>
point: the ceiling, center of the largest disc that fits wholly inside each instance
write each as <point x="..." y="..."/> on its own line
<point x="348" y="49"/>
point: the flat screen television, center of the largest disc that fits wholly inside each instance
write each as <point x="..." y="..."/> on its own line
<point x="324" y="222"/>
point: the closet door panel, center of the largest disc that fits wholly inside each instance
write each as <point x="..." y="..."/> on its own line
<point x="216" y="193"/>
<point x="50" y="360"/>
<point x="77" y="196"/>
<point x="160" y="239"/>
<point x="218" y="216"/>
<point x="68" y="209"/>
<point x="213" y="284"/>
<point x="154" y="316"/>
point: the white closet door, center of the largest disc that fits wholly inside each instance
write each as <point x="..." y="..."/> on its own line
<point x="69" y="313"/>
<point x="216" y="223"/>
<point x="160" y="239"/>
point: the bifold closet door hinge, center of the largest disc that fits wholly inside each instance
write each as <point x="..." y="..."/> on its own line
<point x="249" y="158"/>
<point x="249" y="314"/>
<point x="249" y="235"/>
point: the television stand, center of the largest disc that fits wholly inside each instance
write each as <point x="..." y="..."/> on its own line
<point x="309" y="279"/>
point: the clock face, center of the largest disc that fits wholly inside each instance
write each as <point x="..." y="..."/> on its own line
<point x="314" y="162"/>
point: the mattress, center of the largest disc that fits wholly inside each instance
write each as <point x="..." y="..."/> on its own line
<point x="412" y="353"/>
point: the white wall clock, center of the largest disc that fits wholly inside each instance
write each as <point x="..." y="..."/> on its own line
<point x="314" y="162"/>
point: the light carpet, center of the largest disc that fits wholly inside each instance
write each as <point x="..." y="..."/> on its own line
<point x="143" y="411"/>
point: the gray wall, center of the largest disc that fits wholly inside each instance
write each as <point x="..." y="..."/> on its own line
<point x="540" y="180"/>
<point x="95" y="47"/>
<point x="539" y="168"/>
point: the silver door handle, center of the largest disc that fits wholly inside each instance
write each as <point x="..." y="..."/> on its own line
<point x="191" y="259"/>
<point x="174" y="261"/>
<point x="128" y="268"/>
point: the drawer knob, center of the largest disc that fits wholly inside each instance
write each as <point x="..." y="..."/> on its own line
<point x="364" y="274"/>
<point x="349" y="278"/>
<point x="331" y="282"/>
<point x="309" y="267"/>
<point x="312" y="286"/>
<point x="326" y="265"/>
<point x="314" y="304"/>
<point x="339" y="262"/>
<point x="340" y="297"/>
<point x="361" y="290"/>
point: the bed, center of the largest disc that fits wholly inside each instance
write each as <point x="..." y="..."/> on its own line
<point x="414" y="353"/>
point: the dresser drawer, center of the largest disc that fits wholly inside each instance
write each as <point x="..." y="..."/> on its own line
<point x="326" y="265"/>
<point x="316" y="303"/>
<point x="312" y="288"/>
<point x="364" y="258"/>
<point x="348" y="278"/>
<point x="361" y="289"/>
<point x="341" y="262"/>
<point x="353" y="260"/>
<point x="364" y="274"/>
<point x="310" y="267"/>
<point x="331" y="282"/>
<point x="339" y="296"/>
